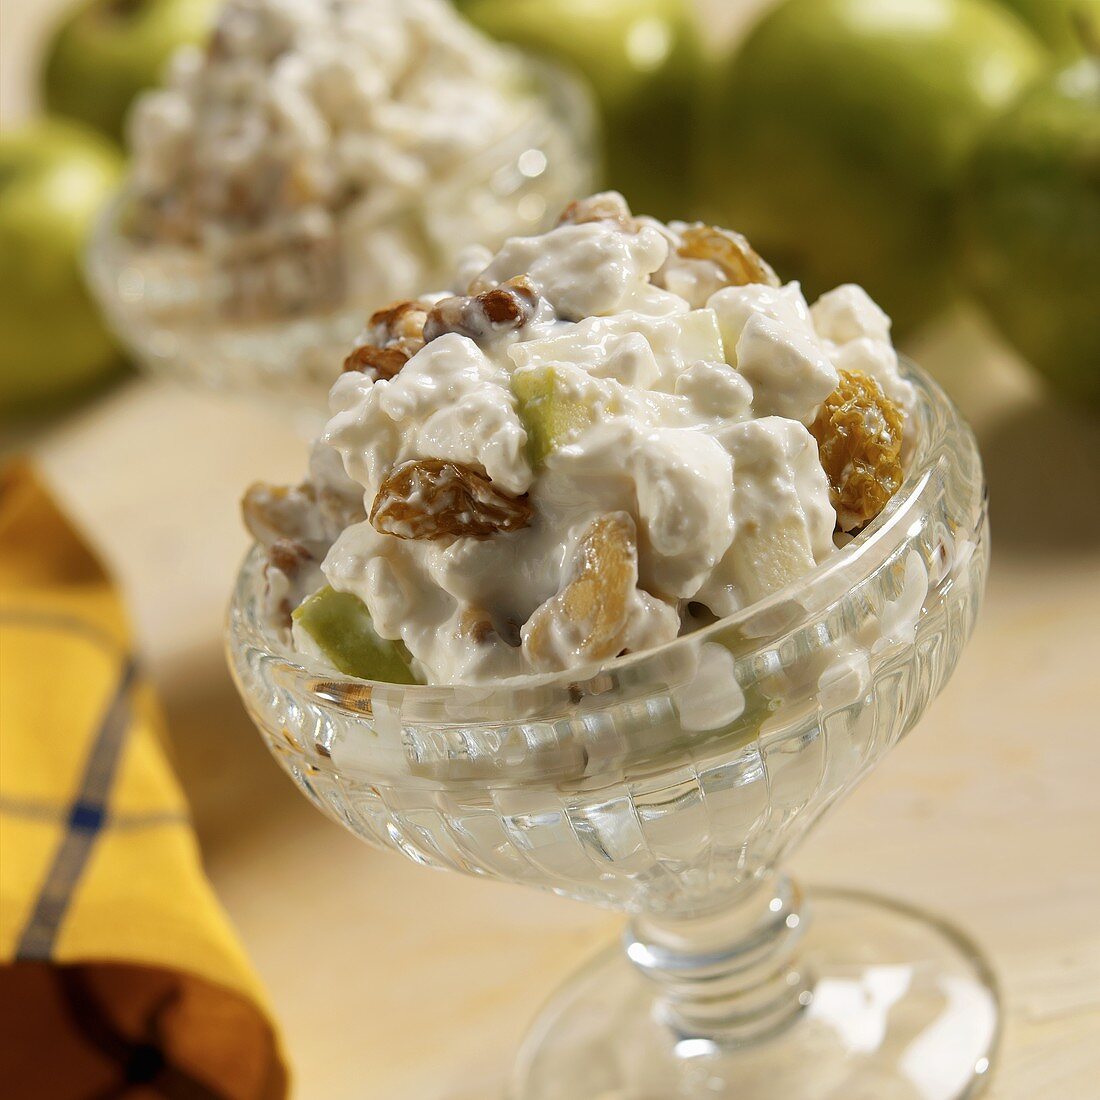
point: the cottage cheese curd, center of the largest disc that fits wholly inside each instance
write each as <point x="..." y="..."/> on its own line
<point x="608" y="435"/>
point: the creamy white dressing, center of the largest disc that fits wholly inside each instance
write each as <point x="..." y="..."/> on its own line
<point x="696" y="433"/>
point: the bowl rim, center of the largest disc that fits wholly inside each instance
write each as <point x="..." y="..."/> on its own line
<point x="811" y="595"/>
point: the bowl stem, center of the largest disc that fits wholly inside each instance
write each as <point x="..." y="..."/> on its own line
<point x="731" y="978"/>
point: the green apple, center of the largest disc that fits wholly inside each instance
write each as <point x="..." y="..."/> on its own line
<point x="1069" y="27"/>
<point x="643" y="61"/>
<point x="1030" y="227"/>
<point x="837" y="133"/>
<point x="341" y="625"/>
<point x="549" y="413"/>
<point x="54" y="178"/>
<point x="107" y="51"/>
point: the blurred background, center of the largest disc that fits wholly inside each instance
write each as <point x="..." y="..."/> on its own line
<point x="943" y="153"/>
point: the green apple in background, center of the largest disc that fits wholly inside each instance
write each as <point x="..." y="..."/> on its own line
<point x="836" y="135"/>
<point x="643" y="60"/>
<point x="1069" y="27"/>
<point x="107" y="51"/>
<point x="1030" y="227"/>
<point x="54" y="178"/>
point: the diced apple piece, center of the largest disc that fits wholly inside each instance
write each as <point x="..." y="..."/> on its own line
<point x="550" y="413"/>
<point x="341" y="626"/>
<point x="783" y="521"/>
<point x="764" y="561"/>
<point x="676" y="342"/>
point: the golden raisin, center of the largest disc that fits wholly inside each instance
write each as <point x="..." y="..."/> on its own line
<point x="595" y="606"/>
<point x="498" y="310"/>
<point x="432" y="499"/>
<point x="730" y="251"/>
<point x="859" y="435"/>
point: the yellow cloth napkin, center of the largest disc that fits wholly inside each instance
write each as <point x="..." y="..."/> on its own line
<point x="119" y="973"/>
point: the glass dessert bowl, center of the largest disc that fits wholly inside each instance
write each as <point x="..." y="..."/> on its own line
<point x="670" y="785"/>
<point x="255" y="270"/>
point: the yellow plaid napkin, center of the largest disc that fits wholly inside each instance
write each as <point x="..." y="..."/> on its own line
<point x="119" y="974"/>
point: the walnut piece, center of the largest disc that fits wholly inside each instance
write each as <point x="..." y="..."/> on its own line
<point x="383" y="362"/>
<point x="859" y="435"/>
<point x="609" y="207"/>
<point x="288" y="556"/>
<point x="730" y="251"/>
<point x="476" y="626"/>
<point x="399" y="321"/>
<point x="274" y="513"/>
<point x="593" y="609"/>
<point x="394" y="335"/>
<point x="492" y="313"/>
<point x="432" y="499"/>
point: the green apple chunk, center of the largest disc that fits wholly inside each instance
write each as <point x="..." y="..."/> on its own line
<point x="107" y="51"/>
<point x="341" y="625"/>
<point x="550" y="413"/>
<point x="1029" y="216"/>
<point x="836" y="134"/>
<point x="1069" y="27"/>
<point x="54" y="179"/>
<point x="643" y="61"/>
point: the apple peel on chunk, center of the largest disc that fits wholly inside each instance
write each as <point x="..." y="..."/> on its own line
<point x="340" y="625"/>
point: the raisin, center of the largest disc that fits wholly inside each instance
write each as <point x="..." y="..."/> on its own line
<point x="859" y="436"/>
<point x="594" y="607"/>
<point x="609" y="207"/>
<point x="432" y="499"/>
<point x="730" y="251"/>
<point x="494" y="312"/>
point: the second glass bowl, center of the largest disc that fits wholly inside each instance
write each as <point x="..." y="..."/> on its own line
<point x="280" y="320"/>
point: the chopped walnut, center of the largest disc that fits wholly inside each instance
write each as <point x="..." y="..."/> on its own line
<point x="288" y="556"/>
<point x="432" y="499"/>
<point x="594" y="608"/>
<point x="730" y="251"/>
<point x="400" y="321"/>
<point x="609" y="207"/>
<point x="859" y="436"/>
<point x="476" y="626"/>
<point x="383" y="362"/>
<point x="487" y="315"/>
<point x="394" y="335"/>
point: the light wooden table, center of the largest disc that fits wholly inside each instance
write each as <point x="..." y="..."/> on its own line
<point x="395" y="983"/>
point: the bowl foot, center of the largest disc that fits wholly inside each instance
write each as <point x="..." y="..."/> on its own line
<point x="903" y="1007"/>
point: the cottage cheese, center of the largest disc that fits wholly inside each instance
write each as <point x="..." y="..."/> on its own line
<point x="683" y="477"/>
<point x="304" y="123"/>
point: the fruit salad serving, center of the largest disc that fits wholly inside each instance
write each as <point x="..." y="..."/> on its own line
<point x="304" y="123"/>
<point x="601" y="438"/>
